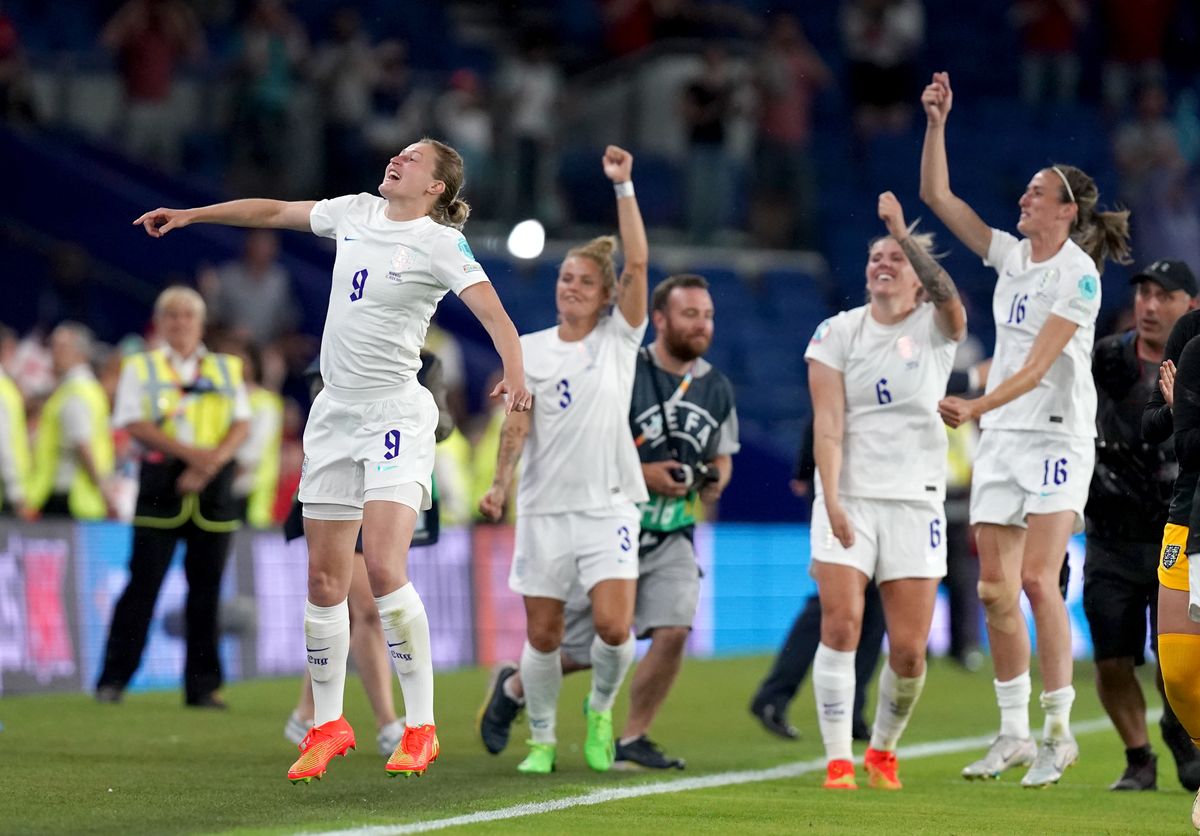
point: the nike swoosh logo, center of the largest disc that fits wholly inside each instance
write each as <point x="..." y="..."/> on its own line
<point x="315" y="649"/>
<point x="382" y="467"/>
<point x="348" y="238"/>
<point x="397" y="644"/>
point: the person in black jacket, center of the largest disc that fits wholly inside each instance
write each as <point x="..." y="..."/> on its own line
<point x="1127" y="508"/>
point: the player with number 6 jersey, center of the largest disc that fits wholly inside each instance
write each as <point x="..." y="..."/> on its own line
<point x="369" y="440"/>
<point x="1038" y="416"/>
<point x="876" y="373"/>
<point x="577" y="518"/>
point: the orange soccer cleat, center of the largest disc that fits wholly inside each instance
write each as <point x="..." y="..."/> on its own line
<point x="881" y="770"/>
<point x="839" y="775"/>
<point x="321" y="745"/>
<point x="418" y="748"/>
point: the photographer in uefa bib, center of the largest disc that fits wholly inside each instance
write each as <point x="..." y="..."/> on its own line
<point x="685" y="427"/>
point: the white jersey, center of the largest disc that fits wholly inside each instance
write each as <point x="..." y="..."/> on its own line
<point x="894" y="443"/>
<point x="388" y="278"/>
<point x="1027" y="292"/>
<point x="580" y="455"/>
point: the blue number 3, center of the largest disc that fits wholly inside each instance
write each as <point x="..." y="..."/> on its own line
<point x="564" y="389"/>
<point x="623" y="533"/>
<point x="391" y="440"/>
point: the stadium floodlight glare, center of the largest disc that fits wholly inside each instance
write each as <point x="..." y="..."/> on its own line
<point x="527" y="239"/>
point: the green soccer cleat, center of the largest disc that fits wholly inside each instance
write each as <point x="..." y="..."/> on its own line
<point x="540" y="760"/>
<point x="599" y="748"/>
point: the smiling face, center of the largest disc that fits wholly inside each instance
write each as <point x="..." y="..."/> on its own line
<point x="1043" y="209"/>
<point x="580" y="293"/>
<point x="889" y="273"/>
<point x="409" y="175"/>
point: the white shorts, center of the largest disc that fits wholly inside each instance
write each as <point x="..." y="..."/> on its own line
<point x="1020" y="472"/>
<point x="553" y="552"/>
<point x="355" y="448"/>
<point x="893" y="538"/>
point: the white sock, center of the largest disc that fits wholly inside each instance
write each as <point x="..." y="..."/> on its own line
<point x="833" y="687"/>
<point x="897" y="696"/>
<point x="610" y="663"/>
<point x="1057" y="705"/>
<point x="327" y="641"/>
<point x="541" y="674"/>
<point x="1013" y="699"/>
<point x="406" y="628"/>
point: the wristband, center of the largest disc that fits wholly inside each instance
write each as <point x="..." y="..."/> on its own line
<point x="623" y="189"/>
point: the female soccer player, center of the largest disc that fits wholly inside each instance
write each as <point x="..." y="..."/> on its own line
<point x="369" y="442"/>
<point x="1038" y="415"/>
<point x="577" y="519"/>
<point x="876" y="374"/>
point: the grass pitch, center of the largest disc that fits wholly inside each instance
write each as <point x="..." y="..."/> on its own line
<point x="69" y="765"/>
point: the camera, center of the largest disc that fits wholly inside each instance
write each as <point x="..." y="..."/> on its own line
<point x="695" y="476"/>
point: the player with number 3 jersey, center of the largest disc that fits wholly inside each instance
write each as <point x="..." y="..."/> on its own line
<point x="369" y="440"/>
<point x="577" y="518"/>
<point x="876" y="373"/>
<point x="1038" y="417"/>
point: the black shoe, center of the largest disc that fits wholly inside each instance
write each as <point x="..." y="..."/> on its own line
<point x="1185" y="753"/>
<point x="774" y="720"/>
<point x="860" y="730"/>
<point x="1140" y="777"/>
<point x="644" y="752"/>
<point x="109" y="694"/>
<point x="209" y="700"/>
<point x="498" y="712"/>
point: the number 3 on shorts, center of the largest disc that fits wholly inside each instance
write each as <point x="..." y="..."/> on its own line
<point x="623" y="533"/>
<point x="391" y="440"/>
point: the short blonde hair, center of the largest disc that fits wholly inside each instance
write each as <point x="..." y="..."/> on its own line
<point x="180" y="294"/>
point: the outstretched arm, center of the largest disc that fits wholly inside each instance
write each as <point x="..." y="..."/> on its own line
<point x="953" y="211"/>
<point x="252" y="212"/>
<point x="632" y="285"/>
<point x="950" y="316"/>
<point x="481" y="298"/>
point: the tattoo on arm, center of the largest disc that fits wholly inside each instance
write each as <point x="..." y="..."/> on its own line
<point x="934" y="279"/>
<point x="512" y="443"/>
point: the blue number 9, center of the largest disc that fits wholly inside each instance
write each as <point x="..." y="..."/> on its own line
<point x="391" y="440"/>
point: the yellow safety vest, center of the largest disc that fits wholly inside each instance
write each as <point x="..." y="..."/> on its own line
<point x="14" y="407"/>
<point x="208" y="408"/>
<point x="84" y="498"/>
<point x="260" y="504"/>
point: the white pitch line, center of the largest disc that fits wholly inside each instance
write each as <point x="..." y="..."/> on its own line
<point x="703" y="782"/>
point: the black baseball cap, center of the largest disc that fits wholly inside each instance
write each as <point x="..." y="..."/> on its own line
<point x="1171" y="274"/>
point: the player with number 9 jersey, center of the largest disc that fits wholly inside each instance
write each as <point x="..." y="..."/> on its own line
<point x="369" y="440"/>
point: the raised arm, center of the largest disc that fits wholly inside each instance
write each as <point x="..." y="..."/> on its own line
<point x="252" y="212"/>
<point x="632" y="285"/>
<point x="950" y="316"/>
<point x="828" y="391"/>
<point x="481" y="298"/>
<point x="953" y="211"/>
<point x="512" y="442"/>
<point x="1047" y="347"/>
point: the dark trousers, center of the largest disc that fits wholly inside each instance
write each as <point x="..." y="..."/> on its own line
<point x="800" y="648"/>
<point x="204" y="559"/>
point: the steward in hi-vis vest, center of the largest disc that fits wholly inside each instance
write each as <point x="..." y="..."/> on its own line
<point x="73" y="455"/>
<point x="188" y="409"/>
